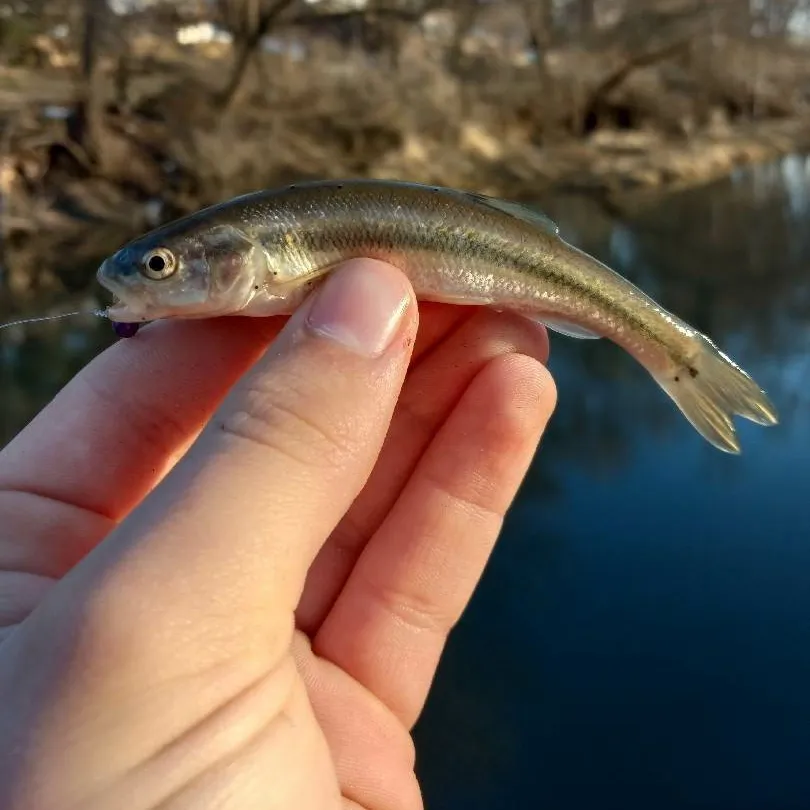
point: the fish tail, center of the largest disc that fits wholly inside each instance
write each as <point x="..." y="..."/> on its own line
<point x="710" y="389"/>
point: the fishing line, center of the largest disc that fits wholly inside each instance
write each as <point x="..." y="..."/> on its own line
<point x="99" y="313"/>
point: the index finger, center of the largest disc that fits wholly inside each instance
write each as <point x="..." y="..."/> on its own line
<point x="106" y="439"/>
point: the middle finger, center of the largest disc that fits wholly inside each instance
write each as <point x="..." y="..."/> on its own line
<point x="430" y="393"/>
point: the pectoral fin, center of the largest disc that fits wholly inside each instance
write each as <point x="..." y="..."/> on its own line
<point x="566" y="328"/>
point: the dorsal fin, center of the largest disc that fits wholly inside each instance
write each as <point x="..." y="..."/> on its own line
<point x="536" y="218"/>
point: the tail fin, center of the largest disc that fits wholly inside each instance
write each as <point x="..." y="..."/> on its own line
<point x="711" y="390"/>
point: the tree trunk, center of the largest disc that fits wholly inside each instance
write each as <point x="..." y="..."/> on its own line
<point x="247" y="44"/>
<point x="465" y="18"/>
<point x="586" y="16"/>
<point x="539" y="16"/>
<point x="85" y="128"/>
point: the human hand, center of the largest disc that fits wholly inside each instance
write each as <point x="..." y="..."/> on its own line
<point x="227" y="571"/>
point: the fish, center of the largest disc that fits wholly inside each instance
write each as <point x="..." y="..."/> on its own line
<point x="260" y="254"/>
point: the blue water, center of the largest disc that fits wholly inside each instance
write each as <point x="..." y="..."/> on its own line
<point x="641" y="638"/>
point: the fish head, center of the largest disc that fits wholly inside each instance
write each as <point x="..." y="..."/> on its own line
<point x="185" y="270"/>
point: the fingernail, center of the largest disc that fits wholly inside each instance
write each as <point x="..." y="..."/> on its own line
<point x="361" y="306"/>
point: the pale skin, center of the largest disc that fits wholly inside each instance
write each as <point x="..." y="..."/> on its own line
<point x="231" y="551"/>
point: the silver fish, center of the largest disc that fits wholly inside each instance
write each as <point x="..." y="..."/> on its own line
<point x="260" y="254"/>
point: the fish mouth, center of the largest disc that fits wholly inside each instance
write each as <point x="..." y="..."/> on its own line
<point x="119" y="312"/>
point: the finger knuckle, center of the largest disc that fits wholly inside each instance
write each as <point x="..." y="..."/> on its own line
<point x="417" y="610"/>
<point x="476" y="498"/>
<point x="289" y="428"/>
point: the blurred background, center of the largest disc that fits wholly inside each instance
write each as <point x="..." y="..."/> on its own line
<point x="641" y="637"/>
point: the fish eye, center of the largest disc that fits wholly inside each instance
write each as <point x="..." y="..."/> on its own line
<point x="159" y="264"/>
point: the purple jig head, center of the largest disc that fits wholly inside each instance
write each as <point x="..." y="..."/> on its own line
<point x="125" y="330"/>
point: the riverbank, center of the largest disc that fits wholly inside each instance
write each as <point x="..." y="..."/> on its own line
<point x="53" y="245"/>
<point x="621" y="168"/>
<point x="150" y="139"/>
<point x="617" y="165"/>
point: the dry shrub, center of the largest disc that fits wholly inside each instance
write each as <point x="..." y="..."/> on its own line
<point x="327" y="117"/>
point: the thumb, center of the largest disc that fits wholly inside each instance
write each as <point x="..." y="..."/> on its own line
<point x="225" y="541"/>
<point x="189" y="602"/>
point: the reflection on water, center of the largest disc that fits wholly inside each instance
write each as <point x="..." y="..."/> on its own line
<point x="642" y="635"/>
